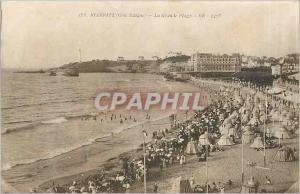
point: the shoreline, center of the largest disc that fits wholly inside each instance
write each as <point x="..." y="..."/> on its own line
<point x="112" y="164"/>
<point x="44" y="163"/>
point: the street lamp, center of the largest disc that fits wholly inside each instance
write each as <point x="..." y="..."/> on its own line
<point x="144" y="148"/>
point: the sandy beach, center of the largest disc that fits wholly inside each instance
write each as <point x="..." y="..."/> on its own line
<point x="93" y="159"/>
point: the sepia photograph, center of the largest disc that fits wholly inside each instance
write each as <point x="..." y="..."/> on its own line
<point x="150" y="96"/>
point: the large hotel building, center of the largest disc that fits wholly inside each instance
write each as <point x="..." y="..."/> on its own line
<point x="204" y="62"/>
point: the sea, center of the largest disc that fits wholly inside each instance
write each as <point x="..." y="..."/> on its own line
<point x="43" y="116"/>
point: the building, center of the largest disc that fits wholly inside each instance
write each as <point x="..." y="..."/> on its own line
<point x="204" y="62"/>
<point x="141" y="58"/>
<point x="290" y="64"/>
<point x="276" y="70"/>
<point x="120" y="59"/>
<point x="173" y="54"/>
<point x="155" y="58"/>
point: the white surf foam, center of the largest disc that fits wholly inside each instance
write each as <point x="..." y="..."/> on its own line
<point x="55" y="121"/>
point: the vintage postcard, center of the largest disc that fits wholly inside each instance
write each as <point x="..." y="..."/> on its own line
<point x="150" y="96"/>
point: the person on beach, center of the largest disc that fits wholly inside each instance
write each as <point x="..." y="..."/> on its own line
<point x="182" y="160"/>
<point x="268" y="181"/>
<point x="155" y="188"/>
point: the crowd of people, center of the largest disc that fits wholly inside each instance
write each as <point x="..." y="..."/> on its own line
<point x="229" y="109"/>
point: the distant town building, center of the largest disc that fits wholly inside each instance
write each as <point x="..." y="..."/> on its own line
<point x="173" y="54"/>
<point x="155" y="58"/>
<point x="204" y="62"/>
<point x="141" y="58"/>
<point x="276" y="70"/>
<point x="120" y="59"/>
<point x="290" y="64"/>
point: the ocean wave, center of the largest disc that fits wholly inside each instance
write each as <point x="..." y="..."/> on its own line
<point x="55" y="153"/>
<point x="33" y="124"/>
<point x="40" y="104"/>
<point x="58" y="152"/>
<point x="55" y="121"/>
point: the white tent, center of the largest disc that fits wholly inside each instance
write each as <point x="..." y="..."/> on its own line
<point x="227" y="121"/>
<point x="181" y="186"/>
<point x="192" y="148"/>
<point x="255" y="112"/>
<point x="248" y="137"/>
<point x="233" y="131"/>
<point x="204" y="140"/>
<point x="224" y="128"/>
<point x="284" y="154"/>
<point x="257" y="143"/>
<point x="225" y="141"/>
<point x="275" y="116"/>
<point x="280" y="132"/>
<point x="254" y="120"/>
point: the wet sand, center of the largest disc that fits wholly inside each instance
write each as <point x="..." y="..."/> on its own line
<point x="86" y="158"/>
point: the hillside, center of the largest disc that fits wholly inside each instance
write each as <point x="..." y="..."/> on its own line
<point x="106" y="66"/>
<point x="139" y="66"/>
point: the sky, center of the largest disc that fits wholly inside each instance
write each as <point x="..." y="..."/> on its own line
<point x="49" y="34"/>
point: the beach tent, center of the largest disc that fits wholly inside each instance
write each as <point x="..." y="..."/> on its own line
<point x="245" y="118"/>
<point x="280" y="132"/>
<point x="224" y="129"/>
<point x="248" y="137"/>
<point x="234" y="132"/>
<point x="221" y="116"/>
<point x="192" y="147"/>
<point x="225" y="141"/>
<point x="255" y="112"/>
<point x="284" y="154"/>
<point x="239" y="99"/>
<point x="254" y="120"/>
<point x="227" y="121"/>
<point x="257" y="143"/>
<point x="204" y="140"/>
<point x="276" y="116"/>
<point x="263" y="118"/>
<point x="261" y="107"/>
<point x="181" y="186"/>
<point x="256" y="100"/>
